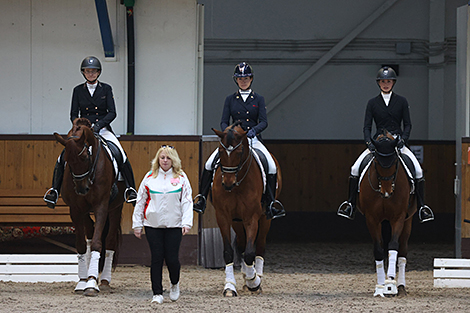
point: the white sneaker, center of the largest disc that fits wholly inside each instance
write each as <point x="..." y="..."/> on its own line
<point x="157" y="298"/>
<point x="175" y="292"/>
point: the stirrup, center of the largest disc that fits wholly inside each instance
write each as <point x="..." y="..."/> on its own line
<point x="343" y="213"/>
<point x="199" y="210"/>
<point x="126" y="196"/>
<point x="274" y="213"/>
<point x="50" y="202"/>
<point x="429" y="218"/>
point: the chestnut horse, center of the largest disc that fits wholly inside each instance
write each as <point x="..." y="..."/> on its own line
<point x="386" y="194"/>
<point x="237" y="194"/>
<point x="88" y="183"/>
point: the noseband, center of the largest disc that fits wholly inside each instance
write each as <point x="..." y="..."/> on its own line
<point x="236" y="169"/>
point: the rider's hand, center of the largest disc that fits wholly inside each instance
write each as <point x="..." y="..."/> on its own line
<point x="96" y="128"/>
<point x="138" y="232"/>
<point x="370" y="146"/>
<point x="400" y="143"/>
<point x="251" y="133"/>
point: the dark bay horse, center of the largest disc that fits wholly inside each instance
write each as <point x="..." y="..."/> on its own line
<point x="236" y="195"/>
<point x="88" y="183"/>
<point x="386" y="194"/>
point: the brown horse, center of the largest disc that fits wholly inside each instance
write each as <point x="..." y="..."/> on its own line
<point x="237" y="198"/>
<point x="88" y="183"/>
<point x="385" y="194"/>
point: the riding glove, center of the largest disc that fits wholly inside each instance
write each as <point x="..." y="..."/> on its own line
<point x="370" y="146"/>
<point x="251" y="133"/>
<point x="400" y="143"/>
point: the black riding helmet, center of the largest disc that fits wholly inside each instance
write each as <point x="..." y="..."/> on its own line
<point x="91" y="62"/>
<point x="386" y="73"/>
<point x="242" y="69"/>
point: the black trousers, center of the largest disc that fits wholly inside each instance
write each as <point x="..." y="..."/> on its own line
<point x="164" y="245"/>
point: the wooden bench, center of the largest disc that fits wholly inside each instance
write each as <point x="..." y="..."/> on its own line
<point x="39" y="267"/>
<point x="453" y="273"/>
<point x="20" y="207"/>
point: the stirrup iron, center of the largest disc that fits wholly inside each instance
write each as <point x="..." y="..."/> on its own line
<point x="126" y="196"/>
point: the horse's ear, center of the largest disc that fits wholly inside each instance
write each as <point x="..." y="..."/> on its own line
<point x="59" y="139"/>
<point x="218" y="132"/>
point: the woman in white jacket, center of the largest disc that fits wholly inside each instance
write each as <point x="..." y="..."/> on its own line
<point x="165" y="209"/>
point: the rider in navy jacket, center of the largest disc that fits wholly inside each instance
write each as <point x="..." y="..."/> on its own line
<point x="94" y="100"/>
<point x="388" y="110"/>
<point x="249" y="108"/>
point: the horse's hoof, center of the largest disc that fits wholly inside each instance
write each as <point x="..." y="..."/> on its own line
<point x="90" y="292"/>
<point x="255" y="289"/>
<point x="104" y="286"/>
<point x="230" y="293"/>
<point x="402" y="291"/>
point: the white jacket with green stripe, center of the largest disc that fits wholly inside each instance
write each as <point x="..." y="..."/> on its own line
<point x="164" y="201"/>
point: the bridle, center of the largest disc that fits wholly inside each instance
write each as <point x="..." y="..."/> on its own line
<point x="380" y="178"/>
<point x="90" y="174"/>
<point x="236" y="169"/>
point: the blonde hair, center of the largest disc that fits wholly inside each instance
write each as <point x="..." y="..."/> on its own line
<point x="175" y="161"/>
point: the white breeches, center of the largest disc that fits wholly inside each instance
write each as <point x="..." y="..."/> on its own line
<point x="255" y="143"/>
<point x="106" y="134"/>
<point x="404" y="150"/>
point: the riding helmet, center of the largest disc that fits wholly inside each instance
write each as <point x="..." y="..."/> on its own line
<point x="386" y="73"/>
<point x="242" y="69"/>
<point x="91" y="62"/>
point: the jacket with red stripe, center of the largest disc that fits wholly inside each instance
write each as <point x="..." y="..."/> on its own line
<point x="164" y="201"/>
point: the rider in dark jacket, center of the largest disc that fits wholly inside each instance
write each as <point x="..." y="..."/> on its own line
<point x="389" y="111"/>
<point x="249" y="108"/>
<point x="93" y="100"/>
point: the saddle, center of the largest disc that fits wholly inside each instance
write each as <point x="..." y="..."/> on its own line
<point x="115" y="156"/>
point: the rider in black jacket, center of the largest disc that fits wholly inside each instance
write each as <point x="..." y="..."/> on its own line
<point x="389" y="111"/>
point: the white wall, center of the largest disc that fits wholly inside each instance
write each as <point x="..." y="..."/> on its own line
<point x="42" y="44"/>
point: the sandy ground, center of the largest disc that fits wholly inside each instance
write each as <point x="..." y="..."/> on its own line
<point x="313" y="277"/>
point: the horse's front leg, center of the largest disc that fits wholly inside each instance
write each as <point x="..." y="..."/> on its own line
<point x="390" y="282"/>
<point x="80" y="244"/>
<point x="112" y="245"/>
<point x="375" y="229"/>
<point x="252" y="279"/>
<point x="92" y="288"/>
<point x="230" y="289"/>
<point x="402" y="253"/>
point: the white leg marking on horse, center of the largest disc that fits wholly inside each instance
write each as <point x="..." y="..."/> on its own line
<point x="94" y="261"/>
<point x="392" y="264"/>
<point x="82" y="266"/>
<point x="401" y="271"/>
<point x="259" y="265"/>
<point x="379" y="266"/>
<point x="108" y="264"/>
<point x="379" y="291"/>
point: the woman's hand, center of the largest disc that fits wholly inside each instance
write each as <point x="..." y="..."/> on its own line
<point x="185" y="230"/>
<point x="138" y="232"/>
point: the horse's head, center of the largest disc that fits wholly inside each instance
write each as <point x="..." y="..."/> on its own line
<point x="233" y="150"/>
<point x="386" y="156"/>
<point x="385" y="149"/>
<point x="78" y="154"/>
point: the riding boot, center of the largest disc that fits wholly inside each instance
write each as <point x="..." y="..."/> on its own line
<point x="271" y="211"/>
<point x="425" y="213"/>
<point x="204" y="187"/>
<point x="130" y="194"/>
<point x="347" y="209"/>
<point x="52" y="195"/>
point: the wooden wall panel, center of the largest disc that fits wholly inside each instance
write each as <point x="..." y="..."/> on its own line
<point x="315" y="175"/>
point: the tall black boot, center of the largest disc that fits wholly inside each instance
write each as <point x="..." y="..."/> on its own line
<point x="204" y="187"/>
<point x="130" y="194"/>
<point x="52" y="195"/>
<point x="425" y="213"/>
<point x="271" y="211"/>
<point x="347" y="209"/>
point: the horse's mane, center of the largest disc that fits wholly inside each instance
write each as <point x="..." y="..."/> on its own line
<point x="231" y="131"/>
